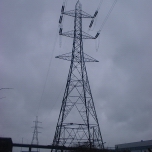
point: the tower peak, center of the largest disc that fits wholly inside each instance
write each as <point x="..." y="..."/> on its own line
<point x="78" y="2"/>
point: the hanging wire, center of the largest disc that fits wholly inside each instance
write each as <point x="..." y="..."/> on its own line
<point x="94" y="19"/>
<point x="105" y="20"/>
<point x="60" y="41"/>
<point x="65" y="4"/>
<point x="107" y="16"/>
<point x="56" y="100"/>
<point x="97" y="41"/>
<point x="47" y="72"/>
<point x="99" y="5"/>
<point x="56" y="37"/>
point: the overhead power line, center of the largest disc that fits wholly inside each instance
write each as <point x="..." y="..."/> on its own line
<point x="45" y="82"/>
<point x="104" y="21"/>
<point x="107" y="16"/>
<point x="99" y="5"/>
<point x="95" y="16"/>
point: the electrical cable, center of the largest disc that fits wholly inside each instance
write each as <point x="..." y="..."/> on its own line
<point x="47" y="72"/>
<point x="56" y="100"/>
<point x="99" y="5"/>
<point x="107" y="16"/>
<point x="94" y="19"/>
<point x="64" y="4"/>
<point x="105" y="20"/>
<point x="97" y="41"/>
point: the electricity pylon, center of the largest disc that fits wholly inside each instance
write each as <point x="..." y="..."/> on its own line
<point x="77" y="123"/>
<point x="35" y="133"/>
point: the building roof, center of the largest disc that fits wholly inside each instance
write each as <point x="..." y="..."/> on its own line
<point x="135" y="145"/>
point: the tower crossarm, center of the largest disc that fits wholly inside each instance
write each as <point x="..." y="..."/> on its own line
<point x="87" y="36"/>
<point x="68" y="57"/>
<point x="71" y="35"/>
<point x="68" y="34"/>
<point x="72" y="13"/>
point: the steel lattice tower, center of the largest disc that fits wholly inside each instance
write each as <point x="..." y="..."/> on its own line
<point x="35" y="133"/>
<point x="77" y="93"/>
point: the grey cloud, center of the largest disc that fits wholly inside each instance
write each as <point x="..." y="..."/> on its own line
<point x="121" y="81"/>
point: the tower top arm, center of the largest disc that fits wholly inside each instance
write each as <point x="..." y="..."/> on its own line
<point x="83" y="14"/>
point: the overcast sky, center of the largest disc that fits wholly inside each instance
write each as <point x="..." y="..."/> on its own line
<point x="121" y="82"/>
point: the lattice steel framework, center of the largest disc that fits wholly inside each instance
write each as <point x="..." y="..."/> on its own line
<point x="77" y="93"/>
<point x="35" y="140"/>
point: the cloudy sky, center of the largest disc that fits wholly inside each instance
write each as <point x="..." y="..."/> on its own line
<point x="121" y="82"/>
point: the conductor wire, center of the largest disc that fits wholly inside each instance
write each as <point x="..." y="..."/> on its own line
<point x="56" y="37"/>
<point x="105" y="20"/>
<point x="107" y="16"/>
<point x="47" y="72"/>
